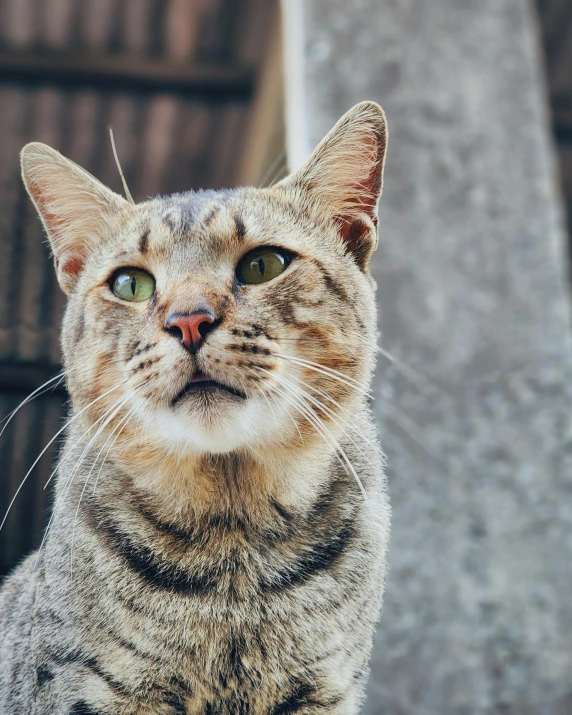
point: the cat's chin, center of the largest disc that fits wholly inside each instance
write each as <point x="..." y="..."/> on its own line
<point x="216" y="425"/>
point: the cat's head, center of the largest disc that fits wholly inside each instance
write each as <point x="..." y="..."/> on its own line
<point x="213" y="321"/>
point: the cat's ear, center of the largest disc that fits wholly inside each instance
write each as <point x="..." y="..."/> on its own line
<point x="346" y="172"/>
<point x="76" y="209"/>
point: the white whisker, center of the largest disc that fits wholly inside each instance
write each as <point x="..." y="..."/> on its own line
<point x="36" y="393"/>
<point x="123" y="422"/>
<point x="69" y="481"/>
<point x="327" y="410"/>
<point x="130" y="394"/>
<point x="410" y="428"/>
<point x="327" y="371"/>
<point x="273" y="396"/>
<point x="41" y="390"/>
<point x="340" y="407"/>
<point x="328" y="437"/>
<point x="68" y="422"/>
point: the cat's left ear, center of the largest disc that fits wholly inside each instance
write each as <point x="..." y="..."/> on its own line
<point x="77" y="210"/>
<point x="345" y="171"/>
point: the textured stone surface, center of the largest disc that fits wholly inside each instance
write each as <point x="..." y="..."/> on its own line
<point x="478" y="609"/>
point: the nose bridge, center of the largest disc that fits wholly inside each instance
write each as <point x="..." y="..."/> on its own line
<point x="204" y="282"/>
<point x="191" y="296"/>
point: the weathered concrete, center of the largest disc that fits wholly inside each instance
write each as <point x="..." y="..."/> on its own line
<point x="478" y="610"/>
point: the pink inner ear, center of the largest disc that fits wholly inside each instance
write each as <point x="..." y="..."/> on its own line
<point x="359" y="239"/>
<point x="369" y="187"/>
<point x="70" y="265"/>
<point x="352" y="228"/>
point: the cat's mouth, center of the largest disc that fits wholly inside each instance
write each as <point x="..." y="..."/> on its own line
<point x="202" y="384"/>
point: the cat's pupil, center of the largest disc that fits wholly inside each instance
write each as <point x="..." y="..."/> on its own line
<point x="261" y="265"/>
<point x="133" y="285"/>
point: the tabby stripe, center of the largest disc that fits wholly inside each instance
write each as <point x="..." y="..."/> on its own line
<point x="195" y="536"/>
<point x="168" y="221"/>
<point x="187" y="219"/>
<point x="188" y="536"/>
<point x="144" y="242"/>
<point x="76" y="657"/>
<point x="144" y="562"/>
<point x="163" y="574"/>
<point x="338" y="290"/>
<point x="177" y="703"/>
<point x="49" y="616"/>
<point x="79" y="327"/>
<point x="43" y="676"/>
<point x="332" y="285"/>
<point x="240" y="228"/>
<point x="210" y="216"/>
<point x="302" y="697"/>
<point x="131" y="647"/>
<point x="80" y="707"/>
<point x="322" y="557"/>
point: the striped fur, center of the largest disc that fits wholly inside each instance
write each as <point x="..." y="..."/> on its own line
<point x="210" y="554"/>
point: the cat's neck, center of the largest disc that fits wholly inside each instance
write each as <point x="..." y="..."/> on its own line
<point x="180" y="488"/>
<point x="239" y="482"/>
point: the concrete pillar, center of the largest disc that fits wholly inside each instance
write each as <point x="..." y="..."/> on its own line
<point x="478" y="610"/>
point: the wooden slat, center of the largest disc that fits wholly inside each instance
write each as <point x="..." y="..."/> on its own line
<point x="134" y="74"/>
<point x="22" y="377"/>
<point x="263" y="155"/>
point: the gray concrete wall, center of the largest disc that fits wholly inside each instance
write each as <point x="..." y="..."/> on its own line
<point x="478" y="609"/>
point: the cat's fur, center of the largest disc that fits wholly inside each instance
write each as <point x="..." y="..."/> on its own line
<point x="222" y="559"/>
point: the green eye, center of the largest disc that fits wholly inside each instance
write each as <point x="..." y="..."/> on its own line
<point x="262" y="265"/>
<point x="133" y="284"/>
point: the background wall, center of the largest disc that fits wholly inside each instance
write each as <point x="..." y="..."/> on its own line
<point x="471" y="273"/>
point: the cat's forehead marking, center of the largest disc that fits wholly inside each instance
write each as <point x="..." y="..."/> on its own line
<point x="240" y="227"/>
<point x="169" y="222"/>
<point x="144" y="241"/>
<point x="211" y="214"/>
<point x="199" y="229"/>
<point x="179" y="213"/>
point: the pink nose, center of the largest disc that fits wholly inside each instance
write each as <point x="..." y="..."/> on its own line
<point x="191" y="329"/>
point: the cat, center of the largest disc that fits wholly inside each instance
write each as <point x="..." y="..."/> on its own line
<point x="219" y="535"/>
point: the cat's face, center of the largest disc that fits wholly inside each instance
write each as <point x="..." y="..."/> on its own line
<point x="237" y="382"/>
<point x="209" y="322"/>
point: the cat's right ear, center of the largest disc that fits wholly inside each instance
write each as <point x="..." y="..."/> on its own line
<point x="76" y="209"/>
<point x="345" y="175"/>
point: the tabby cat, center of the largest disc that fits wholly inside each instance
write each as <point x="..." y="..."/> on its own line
<point x="218" y="542"/>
